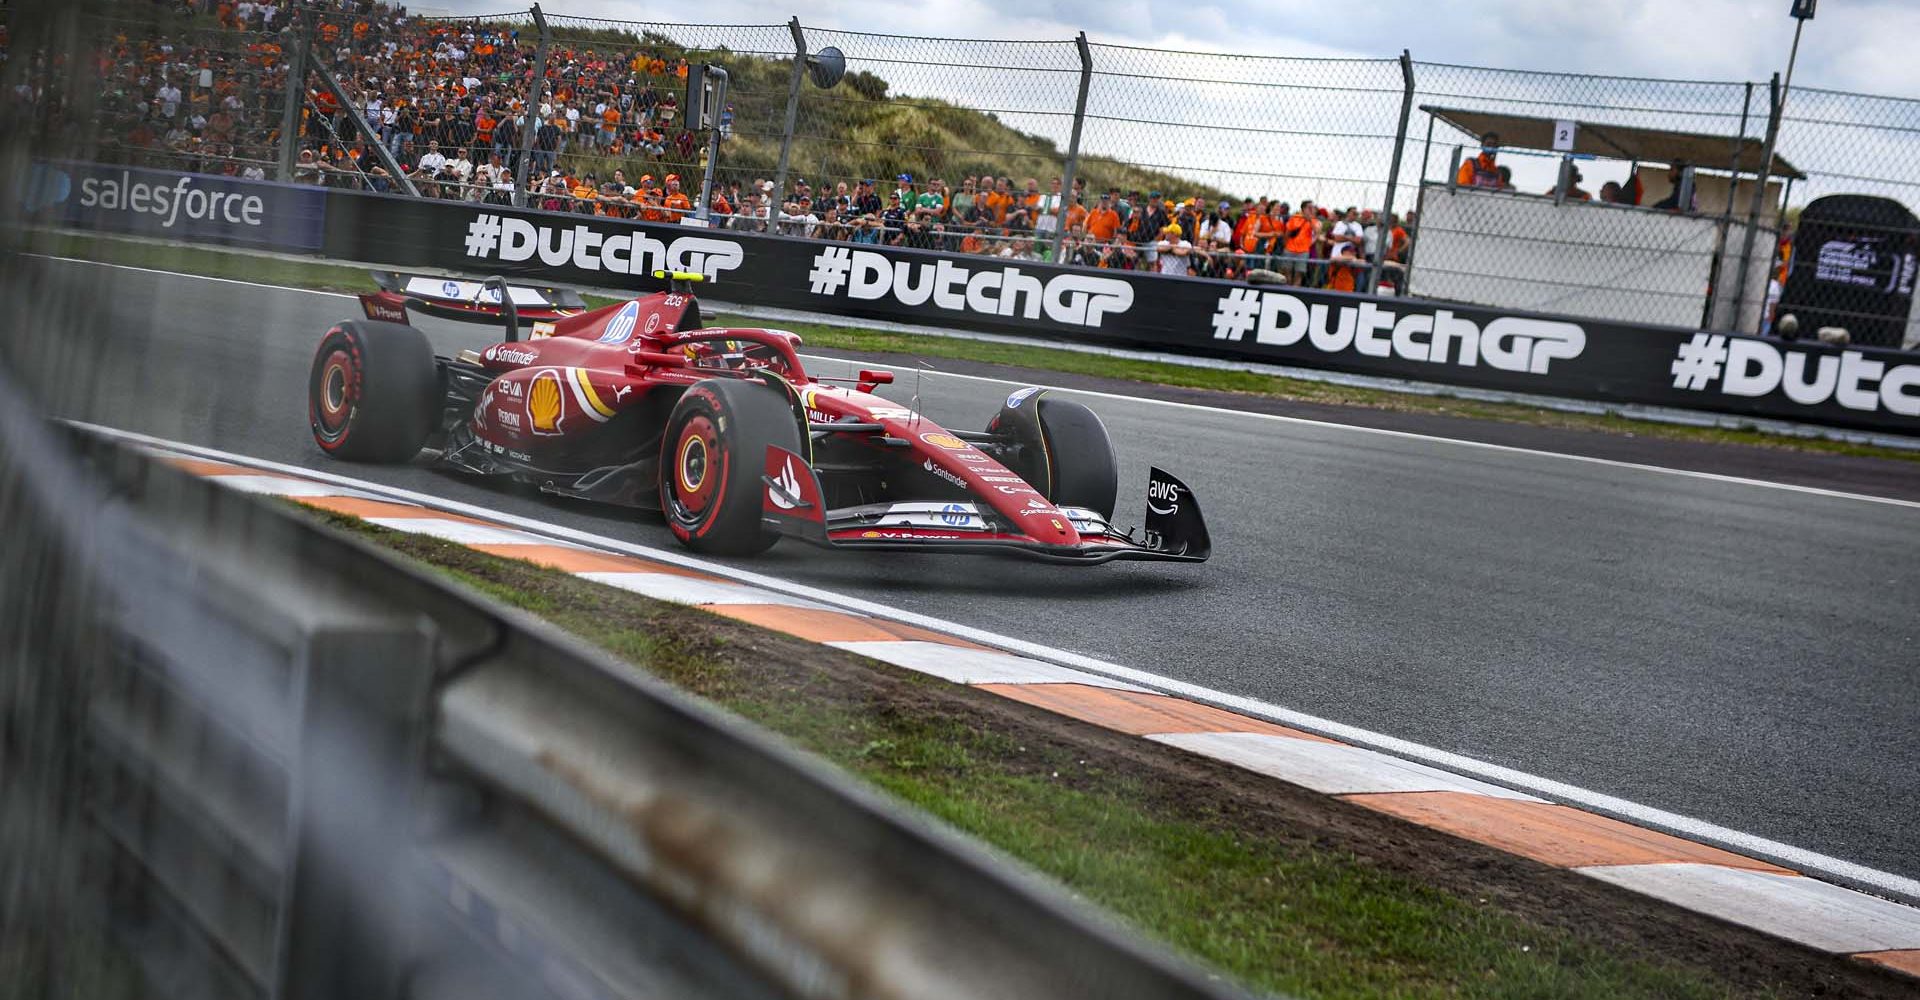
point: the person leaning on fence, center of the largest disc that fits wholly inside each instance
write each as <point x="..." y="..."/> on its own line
<point x="1344" y="266"/>
<point x="1172" y="250"/>
<point x="1481" y="171"/>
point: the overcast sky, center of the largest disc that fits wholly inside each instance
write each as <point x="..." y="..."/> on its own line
<point x="1861" y="45"/>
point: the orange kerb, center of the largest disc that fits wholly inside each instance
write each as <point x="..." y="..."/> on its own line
<point x="1548" y="832"/>
<point x="821" y="625"/>
<point x="1907" y="961"/>
<point x="1139" y="713"/>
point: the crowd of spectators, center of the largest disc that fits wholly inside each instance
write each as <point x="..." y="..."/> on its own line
<point x="205" y="98"/>
<point x="447" y="103"/>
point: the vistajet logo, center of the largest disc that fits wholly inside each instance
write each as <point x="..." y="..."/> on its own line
<point x="1754" y="368"/>
<point x="1073" y="299"/>
<point x="497" y="237"/>
<point x="1510" y="343"/>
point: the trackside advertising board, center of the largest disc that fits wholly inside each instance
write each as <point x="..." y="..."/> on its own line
<point x="199" y="208"/>
<point x="1866" y="388"/>
<point x="1407" y="338"/>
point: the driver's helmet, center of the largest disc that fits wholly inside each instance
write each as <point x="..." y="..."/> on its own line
<point x="718" y="354"/>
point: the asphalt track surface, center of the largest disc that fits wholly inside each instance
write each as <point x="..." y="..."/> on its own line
<point x="1740" y="654"/>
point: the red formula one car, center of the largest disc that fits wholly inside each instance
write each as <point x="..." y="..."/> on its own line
<point x="723" y="431"/>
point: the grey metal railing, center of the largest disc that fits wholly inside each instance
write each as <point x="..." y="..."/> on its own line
<point x="242" y="756"/>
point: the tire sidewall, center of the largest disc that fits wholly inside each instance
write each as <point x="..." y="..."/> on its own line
<point x="1069" y="456"/>
<point x="745" y="418"/>
<point x="386" y="383"/>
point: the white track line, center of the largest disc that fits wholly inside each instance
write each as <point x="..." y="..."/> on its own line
<point x="1298" y="421"/>
<point x="1833" y="869"/>
<point x="1462" y="442"/>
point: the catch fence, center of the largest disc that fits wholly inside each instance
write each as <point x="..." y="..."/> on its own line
<point x="994" y="137"/>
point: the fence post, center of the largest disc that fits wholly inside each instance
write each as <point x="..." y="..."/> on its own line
<point x="531" y="127"/>
<point x="1393" y="173"/>
<point x="1073" y="144"/>
<point x="362" y="703"/>
<point x="301" y="27"/>
<point x="1777" y="99"/>
<point x="779" y="198"/>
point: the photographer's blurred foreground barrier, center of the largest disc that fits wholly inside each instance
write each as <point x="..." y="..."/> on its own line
<point x="242" y="756"/>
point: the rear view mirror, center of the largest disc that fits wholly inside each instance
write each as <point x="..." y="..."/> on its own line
<point x="869" y="376"/>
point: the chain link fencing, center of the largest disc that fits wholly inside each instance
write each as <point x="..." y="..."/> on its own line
<point x="1854" y="253"/>
<point x="993" y="137"/>
<point x="1577" y="230"/>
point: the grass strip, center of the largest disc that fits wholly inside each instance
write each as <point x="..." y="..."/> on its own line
<point x="333" y="277"/>
<point x="1271" y="907"/>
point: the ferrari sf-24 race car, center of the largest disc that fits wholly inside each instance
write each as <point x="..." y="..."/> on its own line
<point x="722" y="430"/>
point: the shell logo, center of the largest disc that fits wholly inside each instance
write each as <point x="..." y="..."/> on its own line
<point x="543" y="403"/>
<point x="946" y="441"/>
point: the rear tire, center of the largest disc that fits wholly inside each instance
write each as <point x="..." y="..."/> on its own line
<point x="712" y="457"/>
<point x="374" y="393"/>
<point x="1065" y="451"/>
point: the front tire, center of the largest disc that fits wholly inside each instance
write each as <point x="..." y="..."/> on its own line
<point x="712" y="456"/>
<point x="1065" y="452"/>
<point x="374" y="392"/>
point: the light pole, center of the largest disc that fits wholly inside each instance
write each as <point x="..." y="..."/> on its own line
<point x="1801" y="12"/>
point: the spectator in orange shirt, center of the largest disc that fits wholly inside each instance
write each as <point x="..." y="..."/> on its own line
<point x="609" y="125"/>
<point x="1394" y="268"/>
<point x="649" y="200"/>
<point x="1481" y="171"/>
<point x="1268" y="228"/>
<point x="1344" y="266"/>
<point x="1103" y="221"/>
<point x="999" y="201"/>
<point x="1075" y="217"/>
<point x="1244" y="223"/>
<point x="677" y="204"/>
<point x="1299" y="234"/>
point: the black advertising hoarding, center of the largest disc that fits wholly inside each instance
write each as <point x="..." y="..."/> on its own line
<point x="1401" y="338"/>
<point x="167" y="204"/>
<point x="1854" y="259"/>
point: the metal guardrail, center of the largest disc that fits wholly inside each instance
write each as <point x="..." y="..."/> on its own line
<point x="241" y="756"/>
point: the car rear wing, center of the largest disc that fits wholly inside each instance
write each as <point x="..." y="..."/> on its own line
<point x="490" y="300"/>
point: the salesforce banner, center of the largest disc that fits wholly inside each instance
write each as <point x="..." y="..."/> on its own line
<point x="200" y="208"/>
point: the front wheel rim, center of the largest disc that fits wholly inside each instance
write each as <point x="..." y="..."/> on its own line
<point x="334" y="396"/>
<point x="693" y="490"/>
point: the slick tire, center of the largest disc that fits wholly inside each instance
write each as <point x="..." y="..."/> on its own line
<point x="712" y="457"/>
<point x="374" y="394"/>
<point x="1065" y="451"/>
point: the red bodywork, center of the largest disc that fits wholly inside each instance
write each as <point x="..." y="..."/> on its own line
<point x="580" y="372"/>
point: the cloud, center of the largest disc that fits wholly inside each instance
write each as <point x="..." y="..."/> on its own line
<point x="1858" y="45"/>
